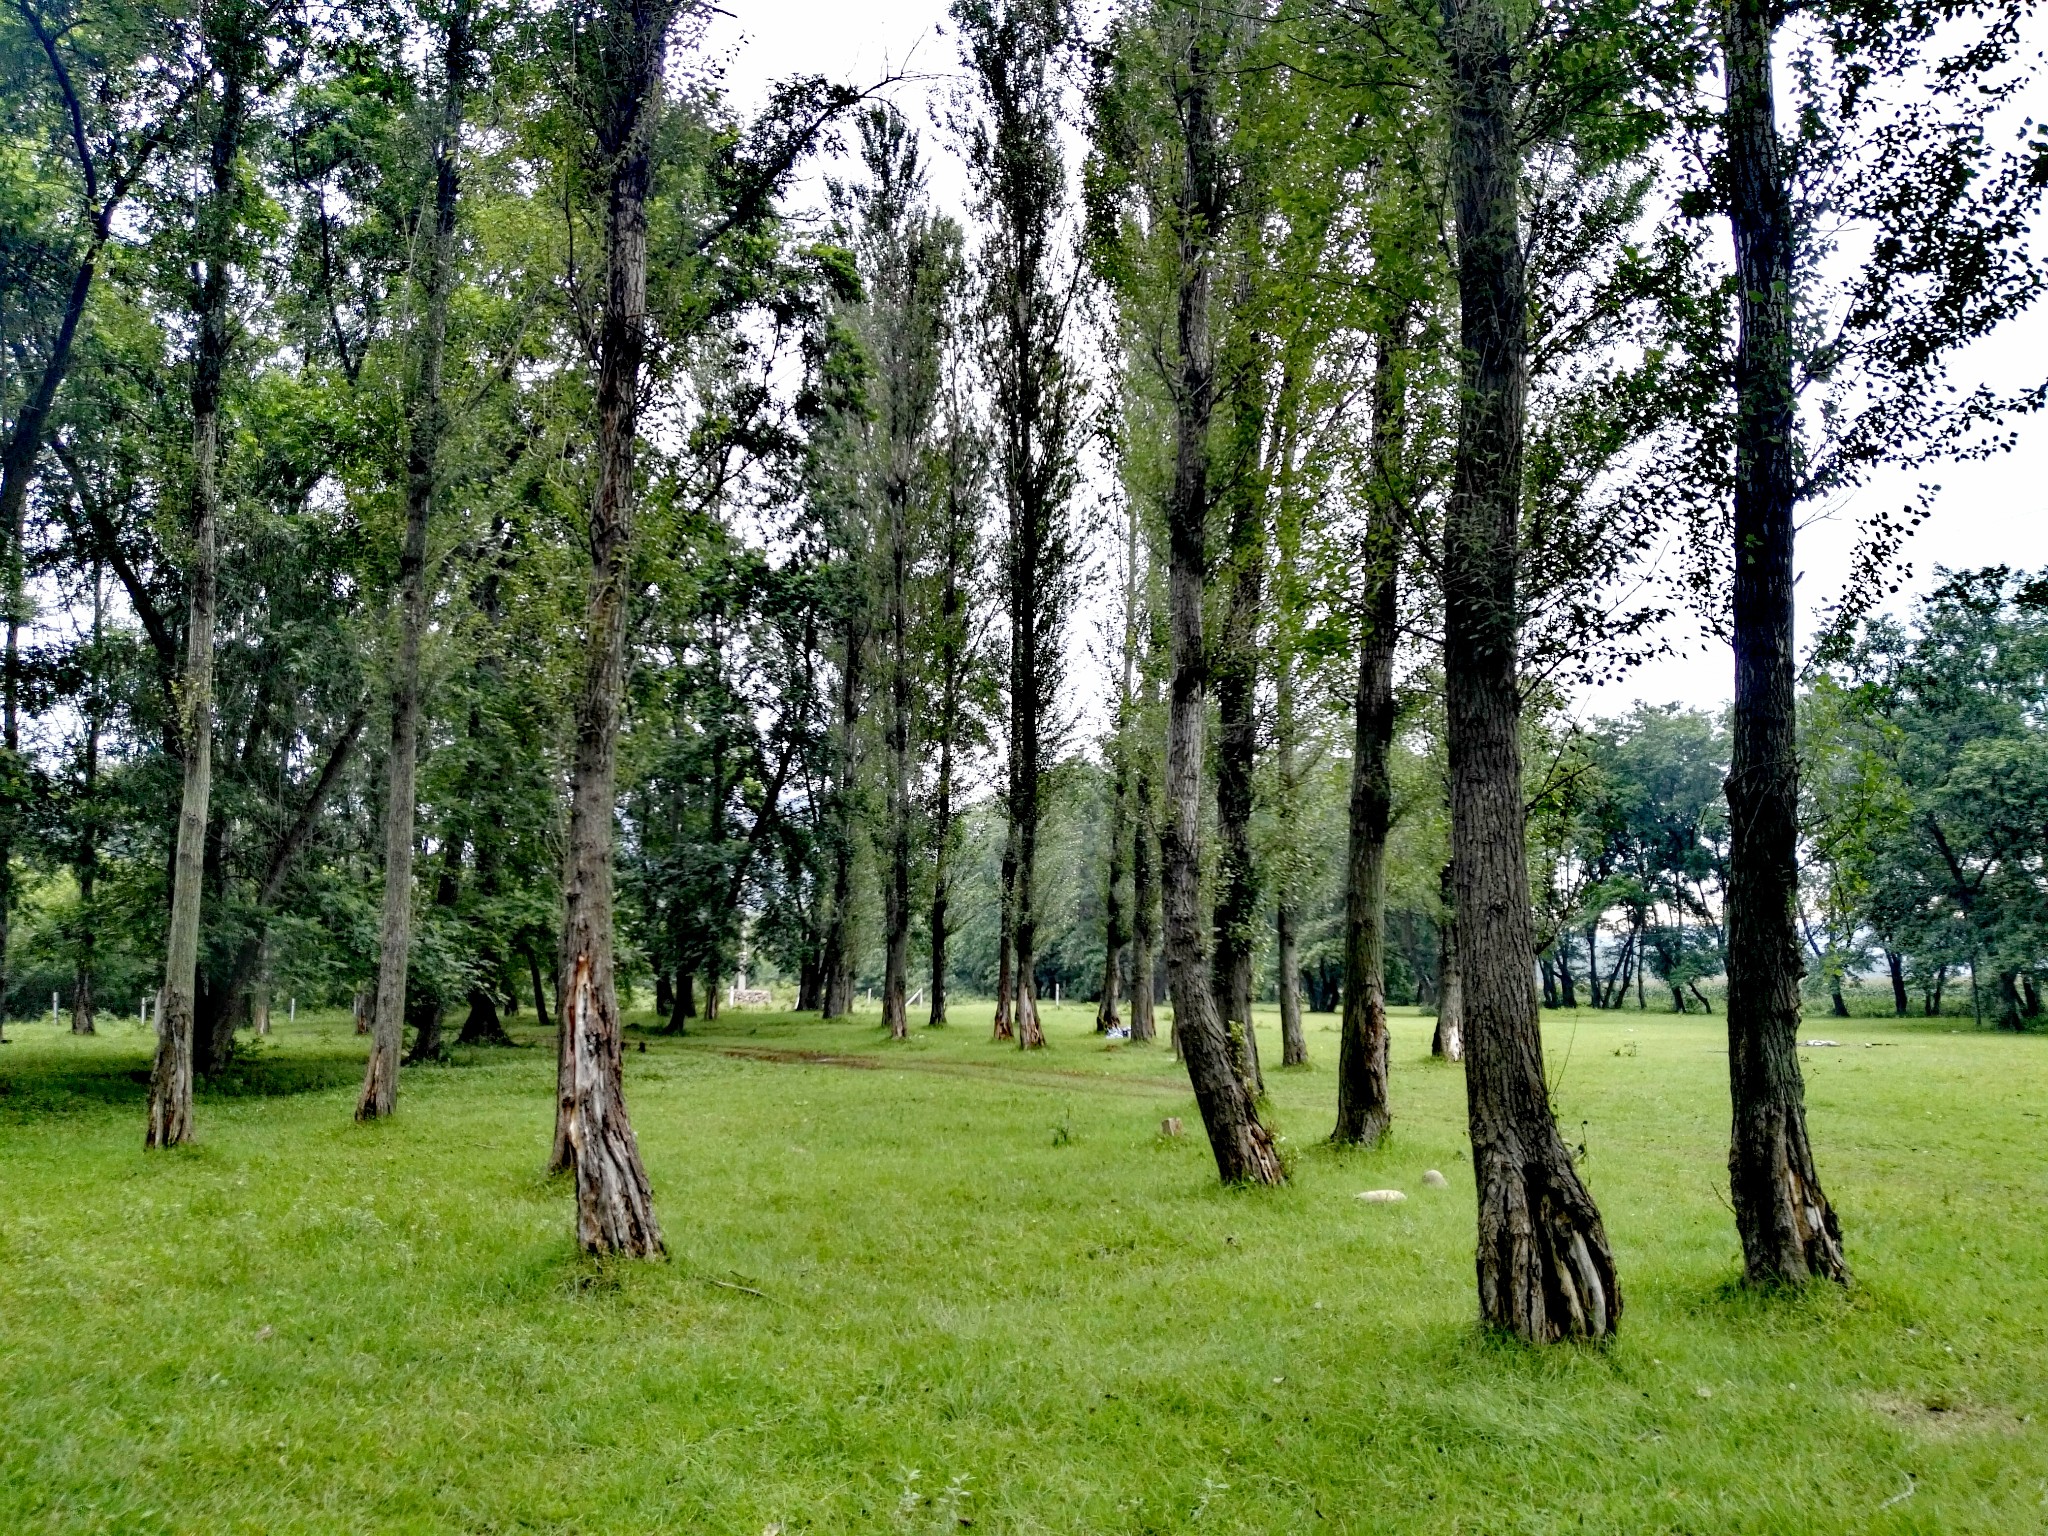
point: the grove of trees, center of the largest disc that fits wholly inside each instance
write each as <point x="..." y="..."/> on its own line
<point x="479" y="536"/>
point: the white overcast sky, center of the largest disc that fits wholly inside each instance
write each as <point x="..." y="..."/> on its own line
<point x="1988" y="513"/>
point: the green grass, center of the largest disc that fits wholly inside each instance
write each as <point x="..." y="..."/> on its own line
<point x="990" y="1291"/>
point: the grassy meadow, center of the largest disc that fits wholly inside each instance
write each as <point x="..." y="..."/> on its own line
<point x="938" y="1286"/>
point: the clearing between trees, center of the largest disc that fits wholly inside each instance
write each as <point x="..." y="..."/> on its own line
<point x="956" y="1291"/>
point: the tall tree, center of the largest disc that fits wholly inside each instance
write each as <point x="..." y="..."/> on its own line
<point x="1545" y="1270"/>
<point x="1363" y="1113"/>
<point x="1014" y="51"/>
<point x="426" y="425"/>
<point x="234" y="47"/>
<point x="619" y="53"/>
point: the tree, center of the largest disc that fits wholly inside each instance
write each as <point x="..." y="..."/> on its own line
<point x="234" y="40"/>
<point x="1013" y="50"/>
<point x="619" y="61"/>
<point x="1545" y="1270"/>
<point x="426" y="422"/>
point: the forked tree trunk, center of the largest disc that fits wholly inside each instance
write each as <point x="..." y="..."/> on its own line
<point x="1788" y="1229"/>
<point x="1895" y="963"/>
<point x="1242" y="1146"/>
<point x="614" y="1206"/>
<point x="170" y="1086"/>
<point x="1363" y="1111"/>
<point x="1545" y="1270"/>
<point x="427" y="425"/>
<point x="1144" y="909"/>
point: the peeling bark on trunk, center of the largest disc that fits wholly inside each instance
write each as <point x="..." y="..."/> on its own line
<point x="1242" y="1146"/>
<point x="170" y="1087"/>
<point x="427" y="424"/>
<point x="1545" y="1270"/>
<point x="614" y="1207"/>
<point x="1789" y="1231"/>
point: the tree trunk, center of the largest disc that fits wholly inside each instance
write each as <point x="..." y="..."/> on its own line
<point x="837" y="961"/>
<point x="896" y="971"/>
<point x="1234" y="668"/>
<point x="1005" y="955"/>
<point x="482" y="1025"/>
<point x="1287" y="958"/>
<point x="684" y="1007"/>
<point x="1144" y="909"/>
<point x="233" y="56"/>
<point x="1931" y="1001"/>
<point x="1363" y="1113"/>
<point x="1117" y="926"/>
<point x="1896" y="964"/>
<point x="427" y="424"/>
<point x="614" y="1206"/>
<point x="88" y="830"/>
<point x="1242" y="1146"/>
<point x="1788" y="1229"/>
<point x="1447" y="1041"/>
<point x="2009" y="1001"/>
<point x="1545" y="1271"/>
<point x="952" y="651"/>
<point x="1567" y="988"/>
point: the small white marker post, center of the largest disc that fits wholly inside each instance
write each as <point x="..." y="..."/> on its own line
<point x="292" y="1016"/>
<point x="53" y="1010"/>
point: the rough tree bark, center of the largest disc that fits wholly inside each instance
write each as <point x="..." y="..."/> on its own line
<point x="1362" y="1106"/>
<point x="1233" y="667"/>
<point x="614" y="1206"/>
<point x="1789" y="1231"/>
<point x="427" y="424"/>
<point x="233" y="56"/>
<point x="1242" y="1146"/>
<point x="1544" y="1268"/>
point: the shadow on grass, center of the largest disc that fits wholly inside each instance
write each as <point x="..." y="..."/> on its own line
<point x="38" y="1086"/>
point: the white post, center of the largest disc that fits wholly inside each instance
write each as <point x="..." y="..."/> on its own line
<point x="292" y="1016"/>
<point x="53" y="1010"/>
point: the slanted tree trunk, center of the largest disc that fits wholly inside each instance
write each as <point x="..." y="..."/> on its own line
<point x="1144" y="908"/>
<point x="1545" y="1270"/>
<point x="1789" y="1231"/>
<point x="427" y="424"/>
<point x="1567" y="988"/>
<point x="1242" y="1145"/>
<point x="614" y="1206"/>
<point x="233" y="55"/>
<point x="1363" y="1113"/>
